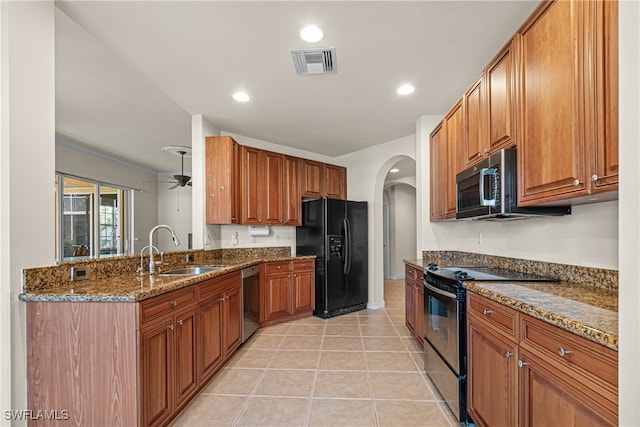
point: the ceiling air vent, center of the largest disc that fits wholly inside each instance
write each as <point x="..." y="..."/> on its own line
<point x="314" y="61"/>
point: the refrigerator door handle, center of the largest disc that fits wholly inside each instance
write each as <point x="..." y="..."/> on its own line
<point x="347" y="246"/>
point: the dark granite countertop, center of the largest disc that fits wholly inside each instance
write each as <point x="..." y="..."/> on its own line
<point x="585" y="310"/>
<point x="133" y="287"/>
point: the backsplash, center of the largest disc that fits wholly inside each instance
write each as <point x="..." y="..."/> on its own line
<point x="41" y="278"/>
<point x="598" y="277"/>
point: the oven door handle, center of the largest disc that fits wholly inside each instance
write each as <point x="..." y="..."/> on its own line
<point x="440" y="291"/>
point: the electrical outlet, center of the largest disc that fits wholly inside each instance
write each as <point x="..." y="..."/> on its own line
<point x="189" y="258"/>
<point x="479" y="238"/>
<point x="79" y="273"/>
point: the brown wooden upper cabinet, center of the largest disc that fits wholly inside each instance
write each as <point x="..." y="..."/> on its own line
<point x="438" y="167"/>
<point x="222" y="175"/>
<point x="490" y="107"/>
<point x="247" y="185"/>
<point x="322" y="179"/>
<point x="568" y="62"/>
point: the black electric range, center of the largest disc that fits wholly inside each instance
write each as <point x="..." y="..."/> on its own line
<point x="445" y="320"/>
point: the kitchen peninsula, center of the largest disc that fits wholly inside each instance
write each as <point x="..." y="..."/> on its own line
<point x="128" y="349"/>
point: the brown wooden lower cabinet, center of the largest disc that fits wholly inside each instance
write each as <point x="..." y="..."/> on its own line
<point x="523" y="371"/>
<point x="414" y="303"/>
<point x="287" y="290"/>
<point x="127" y="363"/>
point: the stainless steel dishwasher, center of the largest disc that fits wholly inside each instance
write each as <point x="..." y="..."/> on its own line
<point x="250" y="301"/>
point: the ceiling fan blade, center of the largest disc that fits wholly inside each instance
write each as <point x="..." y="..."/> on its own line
<point x="173" y="186"/>
<point x="189" y="183"/>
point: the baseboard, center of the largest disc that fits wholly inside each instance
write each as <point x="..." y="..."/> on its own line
<point x="397" y="277"/>
<point x="375" y="305"/>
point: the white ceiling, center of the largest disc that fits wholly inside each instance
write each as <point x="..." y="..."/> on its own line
<point x="129" y="75"/>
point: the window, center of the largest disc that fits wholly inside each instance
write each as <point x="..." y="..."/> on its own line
<point x="93" y="219"/>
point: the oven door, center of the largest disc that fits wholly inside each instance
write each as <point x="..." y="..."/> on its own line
<point x="441" y="324"/>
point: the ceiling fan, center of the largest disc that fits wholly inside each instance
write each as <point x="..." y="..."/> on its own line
<point x="182" y="179"/>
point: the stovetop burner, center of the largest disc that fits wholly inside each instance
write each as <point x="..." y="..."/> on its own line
<point x="481" y="274"/>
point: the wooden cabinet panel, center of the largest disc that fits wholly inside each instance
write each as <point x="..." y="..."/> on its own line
<point x="493" y="376"/>
<point x="292" y="197"/>
<point x="154" y="308"/>
<point x="221" y="180"/>
<point x="157" y="382"/>
<point x="475" y="142"/>
<point x="551" y="397"/>
<point x="272" y="190"/>
<point x="605" y="176"/>
<point x="304" y="291"/>
<point x="251" y="180"/>
<point x="277" y="302"/>
<point x="501" y="99"/>
<point x="185" y="356"/>
<point x="211" y="346"/>
<point x="501" y="318"/>
<point x="438" y="171"/>
<point x="454" y="155"/>
<point x="312" y="182"/>
<point x="232" y="318"/>
<point x="335" y="181"/>
<point x="414" y="303"/>
<point x="551" y="155"/>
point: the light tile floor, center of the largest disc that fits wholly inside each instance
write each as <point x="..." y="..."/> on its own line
<point x="360" y="369"/>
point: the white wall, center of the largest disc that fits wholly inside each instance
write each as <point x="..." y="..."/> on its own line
<point x="28" y="132"/>
<point x="175" y="210"/>
<point x="629" y="231"/>
<point x="401" y="199"/>
<point x="75" y="160"/>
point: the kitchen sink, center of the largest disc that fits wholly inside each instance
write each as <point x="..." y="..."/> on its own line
<point x="188" y="271"/>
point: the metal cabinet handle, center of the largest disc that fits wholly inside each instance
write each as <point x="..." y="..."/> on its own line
<point x="487" y="312"/>
<point x="576" y="182"/>
<point x="562" y="352"/>
<point x="521" y="363"/>
<point x="508" y="354"/>
<point x="171" y="326"/>
<point x="594" y="178"/>
<point x="180" y="322"/>
<point x="174" y="303"/>
<point x="212" y="196"/>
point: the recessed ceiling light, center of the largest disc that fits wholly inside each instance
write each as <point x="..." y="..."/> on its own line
<point x="394" y="170"/>
<point x="405" y="89"/>
<point x="241" y="97"/>
<point x="311" y="34"/>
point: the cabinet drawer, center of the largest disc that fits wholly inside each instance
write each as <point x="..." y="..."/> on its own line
<point x="167" y="303"/>
<point x="499" y="316"/>
<point x="412" y="274"/>
<point x="563" y="348"/>
<point x="212" y="287"/>
<point x="276" y="267"/>
<point x="307" y="264"/>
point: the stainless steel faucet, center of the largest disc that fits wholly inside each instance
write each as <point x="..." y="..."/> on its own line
<point x="176" y="242"/>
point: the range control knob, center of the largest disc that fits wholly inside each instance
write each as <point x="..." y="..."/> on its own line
<point x="432" y="266"/>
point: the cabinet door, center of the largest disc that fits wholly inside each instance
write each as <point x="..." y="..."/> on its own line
<point x="454" y="157"/>
<point x="410" y="306"/>
<point x="232" y="319"/>
<point x="475" y="143"/>
<point x="492" y="372"/>
<point x="605" y="177"/>
<point x="335" y="181"/>
<point x="292" y="196"/>
<point x="550" y="397"/>
<point x="272" y="188"/>
<point x="500" y="100"/>
<point x="312" y="182"/>
<point x="210" y="332"/>
<point x="551" y="155"/>
<point x="185" y="346"/>
<point x="156" y="365"/>
<point x="277" y="301"/>
<point x="304" y="291"/>
<point x="251" y="185"/>
<point x="437" y="185"/>
<point x="221" y="180"/>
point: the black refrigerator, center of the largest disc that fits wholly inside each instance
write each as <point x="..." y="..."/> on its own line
<point x="336" y="232"/>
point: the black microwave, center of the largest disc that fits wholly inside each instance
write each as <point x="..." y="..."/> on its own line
<point x="488" y="190"/>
